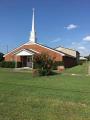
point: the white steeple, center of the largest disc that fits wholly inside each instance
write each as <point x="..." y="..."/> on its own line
<point x="32" y="38"/>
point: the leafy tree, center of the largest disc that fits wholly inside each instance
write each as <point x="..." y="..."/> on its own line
<point x="44" y="63"/>
<point x="1" y="57"/>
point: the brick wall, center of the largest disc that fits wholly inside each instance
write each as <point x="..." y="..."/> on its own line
<point x="69" y="61"/>
<point x="11" y="56"/>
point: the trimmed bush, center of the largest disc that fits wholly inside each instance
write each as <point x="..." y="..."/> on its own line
<point x="7" y="64"/>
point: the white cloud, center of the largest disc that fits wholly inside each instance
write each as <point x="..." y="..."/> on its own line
<point x="56" y="40"/>
<point x="87" y="38"/>
<point x="81" y="48"/>
<point x="71" y="27"/>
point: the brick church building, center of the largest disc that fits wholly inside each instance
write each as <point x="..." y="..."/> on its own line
<point x="25" y="52"/>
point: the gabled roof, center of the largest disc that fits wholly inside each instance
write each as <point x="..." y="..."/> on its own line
<point x="61" y="53"/>
<point x="12" y="51"/>
<point x="65" y="48"/>
<point x="28" y="43"/>
<point x="67" y="51"/>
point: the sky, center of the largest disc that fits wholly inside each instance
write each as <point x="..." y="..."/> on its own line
<point x="58" y="23"/>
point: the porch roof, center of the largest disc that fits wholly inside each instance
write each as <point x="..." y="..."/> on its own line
<point x="24" y="52"/>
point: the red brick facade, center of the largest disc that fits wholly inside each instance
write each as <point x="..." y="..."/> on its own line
<point x="36" y="47"/>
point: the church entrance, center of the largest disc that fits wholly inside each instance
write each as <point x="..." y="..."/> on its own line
<point x="26" y="58"/>
<point x="27" y="61"/>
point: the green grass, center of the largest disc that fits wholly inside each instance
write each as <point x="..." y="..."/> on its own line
<point x="80" y="69"/>
<point x="58" y="97"/>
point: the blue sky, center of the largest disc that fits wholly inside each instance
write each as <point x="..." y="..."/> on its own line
<point x="58" y="23"/>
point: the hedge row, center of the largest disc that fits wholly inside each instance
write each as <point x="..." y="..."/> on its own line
<point x="6" y="64"/>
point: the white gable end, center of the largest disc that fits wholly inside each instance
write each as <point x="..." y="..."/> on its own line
<point x="24" y="53"/>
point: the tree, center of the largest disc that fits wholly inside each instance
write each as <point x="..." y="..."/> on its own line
<point x="1" y="57"/>
<point x="44" y="63"/>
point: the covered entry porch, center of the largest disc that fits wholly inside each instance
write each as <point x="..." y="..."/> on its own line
<point x="27" y="61"/>
<point x="26" y="58"/>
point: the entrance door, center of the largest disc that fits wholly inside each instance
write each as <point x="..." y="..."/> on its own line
<point x="29" y="61"/>
<point x="24" y="61"/>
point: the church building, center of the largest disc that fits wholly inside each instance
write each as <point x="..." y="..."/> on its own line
<point x="26" y="52"/>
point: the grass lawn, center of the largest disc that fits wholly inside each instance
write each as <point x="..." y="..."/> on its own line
<point x="81" y="69"/>
<point x="58" y="97"/>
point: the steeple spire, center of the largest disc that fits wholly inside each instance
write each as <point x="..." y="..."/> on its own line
<point x="32" y="38"/>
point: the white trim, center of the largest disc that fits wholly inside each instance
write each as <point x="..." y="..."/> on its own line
<point x="34" y="51"/>
<point x="24" y="53"/>
<point x="29" y="52"/>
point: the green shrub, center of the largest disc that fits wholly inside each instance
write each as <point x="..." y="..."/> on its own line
<point x="57" y="63"/>
<point x="19" y="64"/>
<point x="44" y="63"/>
<point x="8" y="64"/>
<point x="5" y="64"/>
<point x="1" y="57"/>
